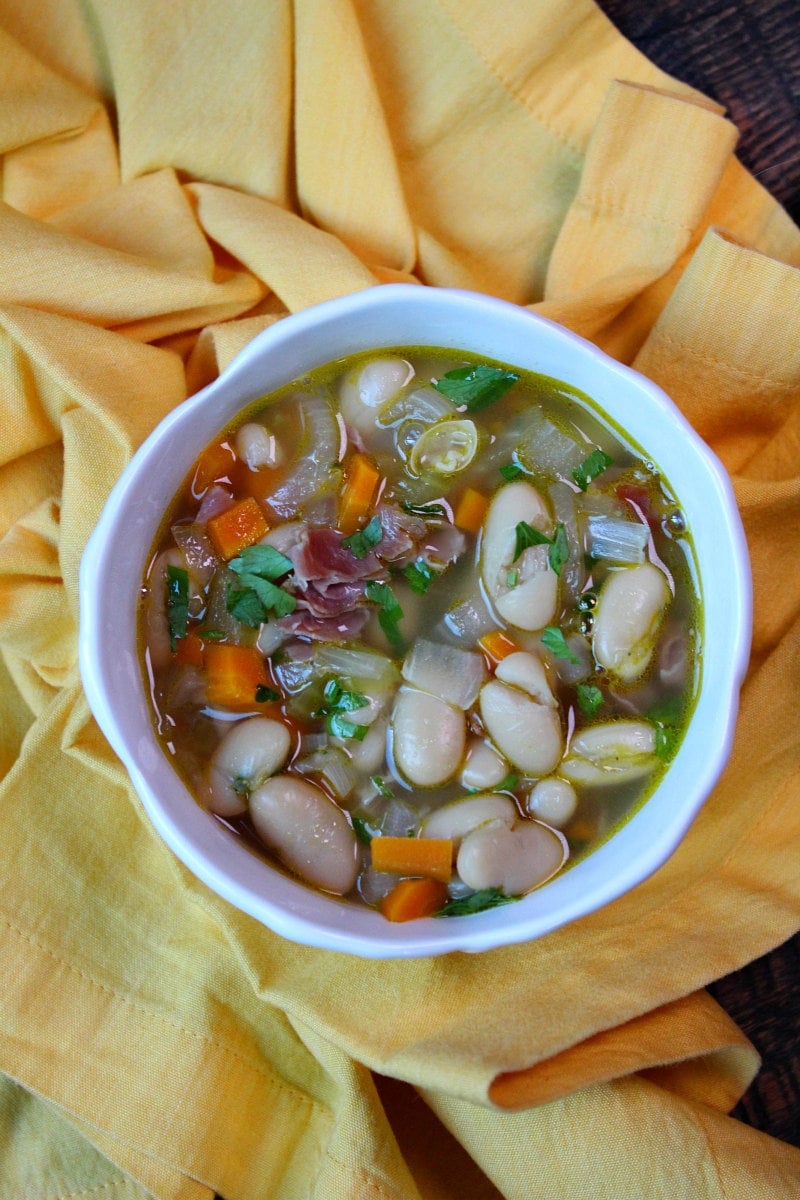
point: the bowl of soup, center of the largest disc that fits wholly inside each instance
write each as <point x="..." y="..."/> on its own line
<point x="420" y="629"/>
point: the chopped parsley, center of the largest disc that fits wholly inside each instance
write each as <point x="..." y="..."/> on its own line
<point x="337" y="701"/>
<point x="363" y="540"/>
<point x="553" y="640"/>
<point x="506" y="785"/>
<point x="418" y="576"/>
<point x="666" y="718"/>
<point x="474" y="388"/>
<point x="264" y="694"/>
<point x="511" y="471"/>
<point x="338" y="725"/>
<point x="589" y="698"/>
<point x="426" y="511"/>
<point x="558" y="553"/>
<point x="362" y="830"/>
<point x="381" y="786"/>
<point x="389" y="612"/>
<point x="258" y="596"/>
<point x="476" y="902"/>
<point x="597" y="462"/>
<point x="177" y="604"/>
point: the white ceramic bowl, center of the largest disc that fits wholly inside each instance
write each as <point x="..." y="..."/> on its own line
<point x="396" y="315"/>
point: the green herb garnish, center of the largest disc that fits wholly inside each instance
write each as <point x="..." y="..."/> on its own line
<point x="258" y="596"/>
<point x="477" y="902"/>
<point x="597" y="462"/>
<point x="264" y="694"/>
<point x="381" y="786"/>
<point x="389" y="612"/>
<point x="362" y="830"/>
<point x="506" y="785"/>
<point x="363" y="540"/>
<point x="177" y="604"/>
<point x="558" y="553"/>
<point x="589" y="698"/>
<point x="511" y="471"/>
<point x="338" y="725"/>
<point x="418" y="576"/>
<point x="473" y="388"/>
<point x="426" y="511"/>
<point x="666" y="718"/>
<point x="553" y="639"/>
<point x="512" y="578"/>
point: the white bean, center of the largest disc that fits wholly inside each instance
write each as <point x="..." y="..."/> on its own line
<point x="526" y="671"/>
<point x="630" y="607"/>
<point x="524" y="590"/>
<point x="368" y="754"/>
<point x="612" y="752"/>
<point x="257" y="446"/>
<point x="429" y="737"/>
<point x="513" y="859"/>
<point x="553" y="800"/>
<point x="526" y="732"/>
<point x="365" y="390"/>
<point x="458" y="818"/>
<point x="484" y="767"/>
<point x="249" y="753"/>
<point x="307" y="831"/>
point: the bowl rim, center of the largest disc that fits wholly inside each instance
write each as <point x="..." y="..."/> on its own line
<point x="198" y="839"/>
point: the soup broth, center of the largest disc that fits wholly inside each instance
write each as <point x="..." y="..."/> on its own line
<point x="422" y="630"/>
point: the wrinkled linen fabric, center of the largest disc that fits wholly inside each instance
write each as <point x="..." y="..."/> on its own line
<point x="174" y="179"/>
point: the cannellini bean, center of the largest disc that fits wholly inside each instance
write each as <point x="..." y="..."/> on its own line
<point x="526" y="732"/>
<point x="249" y="753"/>
<point x="512" y="858"/>
<point x="484" y="767"/>
<point x="524" y="590"/>
<point x="367" y="755"/>
<point x="256" y="446"/>
<point x="630" y="607"/>
<point x="458" y="818"/>
<point x="526" y="671"/>
<point x="429" y="737"/>
<point x="367" y="388"/>
<point x="156" y="623"/>
<point x="307" y="831"/>
<point x="611" y="752"/>
<point x="553" y="800"/>
<point x="445" y="448"/>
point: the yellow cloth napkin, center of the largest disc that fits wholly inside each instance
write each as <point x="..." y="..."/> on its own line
<point x="174" y="178"/>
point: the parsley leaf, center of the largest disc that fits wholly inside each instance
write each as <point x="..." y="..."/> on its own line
<point x="591" y="467"/>
<point x="264" y="694"/>
<point x="362" y="830"/>
<point x="363" y="540"/>
<point x="553" y="639"/>
<point x="419" y="576"/>
<point x="473" y="388"/>
<point x="666" y="718"/>
<point x="558" y="553"/>
<point x="511" y="471"/>
<point x="589" y="697"/>
<point x="427" y="511"/>
<point x="261" y="560"/>
<point x="177" y="604"/>
<point x="477" y="902"/>
<point x="258" y="596"/>
<point x="389" y="612"/>
<point x="338" y="725"/>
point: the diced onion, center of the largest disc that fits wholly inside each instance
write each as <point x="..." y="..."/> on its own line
<point x="425" y="405"/>
<point x="544" y="448"/>
<point x="453" y="674"/>
<point x="333" y="765"/>
<point x="351" y="662"/>
<point x="311" y="474"/>
<point x="196" y="547"/>
<point x="616" y="539"/>
<point x="469" y="620"/>
<point x="573" y="571"/>
<point x="399" y="819"/>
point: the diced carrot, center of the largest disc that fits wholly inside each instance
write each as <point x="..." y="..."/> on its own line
<point x="216" y="462"/>
<point x="259" y="484"/>
<point x="411" y="899"/>
<point x="189" y="650"/>
<point x="233" y="673"/>
<point x="497" y="645"/>
<point x="238" y="527"/>
<point x="358" y="495"/>
<point x="432" y="857"/>
<point x="470" y="510"/>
